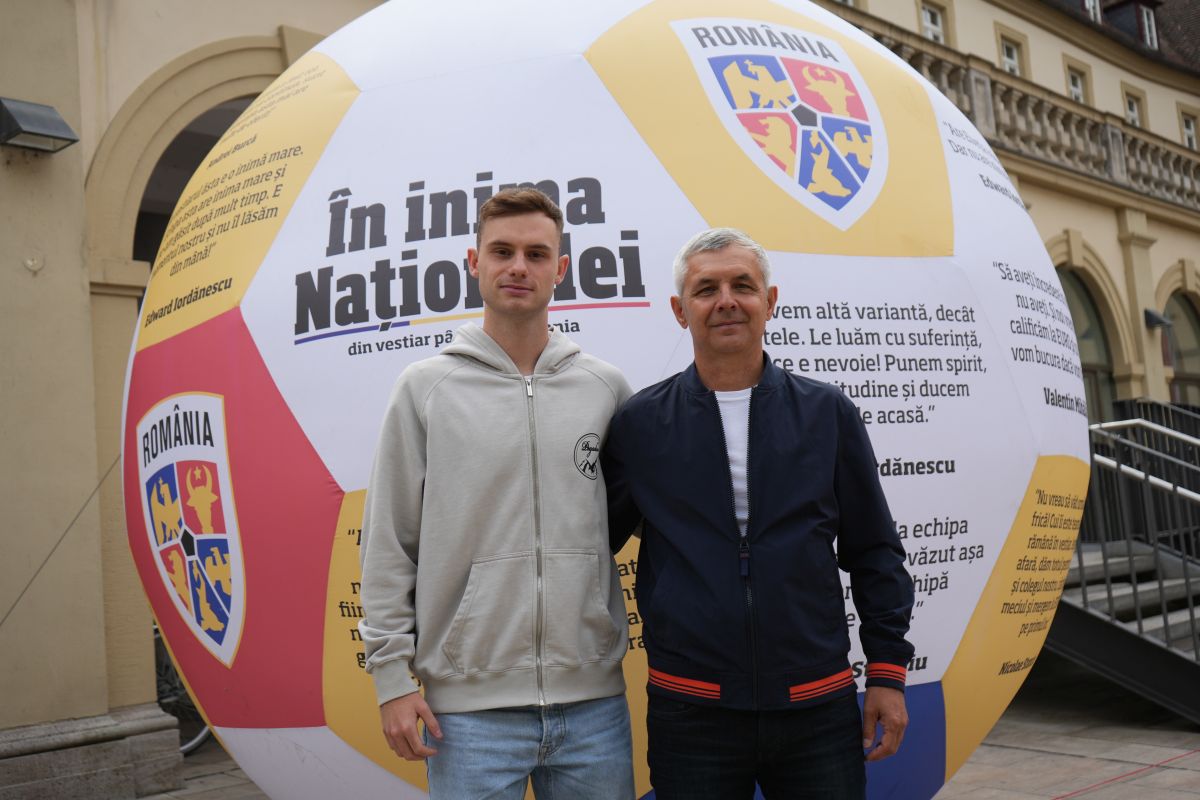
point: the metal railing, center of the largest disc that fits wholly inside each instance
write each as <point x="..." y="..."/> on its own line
<point x="1177" y="417"/>
<point x="1020" y="117"/>
<point x="1161" y="451"/>
<point x="1136" y="561"/>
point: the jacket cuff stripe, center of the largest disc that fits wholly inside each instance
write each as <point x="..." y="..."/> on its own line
<point x="888" y="671"/>
<point x="685" y="685"/>
<point x="806" y="691"/>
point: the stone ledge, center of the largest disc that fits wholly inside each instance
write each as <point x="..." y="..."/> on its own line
<point x="129" y="752"/>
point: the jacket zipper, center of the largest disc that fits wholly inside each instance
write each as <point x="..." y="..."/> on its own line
<point x="537" y="542"/>
<point x="744" y="543"/>
<point x="745" y="562"/>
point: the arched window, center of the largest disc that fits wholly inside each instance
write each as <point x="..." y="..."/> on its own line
<point x="1094" y="354"/>
<point x="174" y="169"/>
<point x="1184" y="337"/>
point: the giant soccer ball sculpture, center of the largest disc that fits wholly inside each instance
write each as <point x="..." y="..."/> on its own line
<point x="320" y="248"/>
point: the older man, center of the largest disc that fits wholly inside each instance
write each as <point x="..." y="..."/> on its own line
<point x="754" y="486"/>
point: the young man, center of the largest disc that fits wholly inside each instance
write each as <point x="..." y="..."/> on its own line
<point x="745" y="477"/>
<point x="486" y="569"/>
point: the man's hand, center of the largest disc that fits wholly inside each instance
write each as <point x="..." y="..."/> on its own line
<point x="400" y="726"/>
<point x="885" y="706"/>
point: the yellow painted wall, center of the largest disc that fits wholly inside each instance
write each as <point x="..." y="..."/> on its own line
<point x="1172" y="244"/>
<point x="127" y="620"/>
<point x="123" y="42"/>
<point x="52" y="661"/>
<point x="79" y="641"/>
<point x="1053" y="212"/>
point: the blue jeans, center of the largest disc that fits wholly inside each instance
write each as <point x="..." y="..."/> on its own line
<point x="708" y="753"/>
<point x="576" y="751"/>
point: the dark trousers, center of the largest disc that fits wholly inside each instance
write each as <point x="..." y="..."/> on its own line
<point x="706" y="753"/>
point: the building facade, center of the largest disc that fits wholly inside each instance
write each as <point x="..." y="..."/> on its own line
<point x="147" y="87"/>
<point x="1093" y="107"/>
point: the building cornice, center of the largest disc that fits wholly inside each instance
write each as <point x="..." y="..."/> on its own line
<point x="1031" y="171"/>
<point x="1088" y="38"/>
<point x="1046" y="138"/>
<point x="1057" y="23"/>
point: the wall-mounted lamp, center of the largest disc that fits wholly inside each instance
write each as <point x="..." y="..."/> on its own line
<point x="33" y="126"/>
<point x="1155" y="319"/>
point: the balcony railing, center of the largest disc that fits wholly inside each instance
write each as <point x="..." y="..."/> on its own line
<point x="1018" y="116"/>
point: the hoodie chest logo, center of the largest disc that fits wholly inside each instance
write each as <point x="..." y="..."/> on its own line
<point x="587" y="455"/>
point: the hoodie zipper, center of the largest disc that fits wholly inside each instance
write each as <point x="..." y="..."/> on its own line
<point x="538" y="633"/>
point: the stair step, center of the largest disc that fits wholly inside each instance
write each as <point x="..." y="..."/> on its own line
<point x="1150" y="593"/>
<point x="1119" y="563"/>
<point x="1177" y="623"/>
<point x="1185" y="646"/>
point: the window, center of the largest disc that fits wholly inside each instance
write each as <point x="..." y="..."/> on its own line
<point x="1184" y="336"/>
<point x="1133" y="110"/>
<point x="1146" y="25"/>
<point x="1092" y="7"/>
<point x="933" y="23"/>
<point x="1012" y="50"/>
<point x="1010" y="56"/>
<point x="1137" y="114"/>
<point x="1094" y="355"/>
<point x="1076" y="85"/>
<point x="1078" y="78"/>
<point x="1188" y="123"/>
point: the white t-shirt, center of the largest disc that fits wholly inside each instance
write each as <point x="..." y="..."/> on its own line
<point x="735" y="418"/>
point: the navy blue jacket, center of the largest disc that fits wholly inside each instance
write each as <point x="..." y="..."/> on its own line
<point x="758" y="623"/>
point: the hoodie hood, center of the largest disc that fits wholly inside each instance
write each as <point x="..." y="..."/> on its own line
<point x="470" y="341"/>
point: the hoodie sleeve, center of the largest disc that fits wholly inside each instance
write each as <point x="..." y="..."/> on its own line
<point x="391" y="534"/>
<point x="870" y="550"/>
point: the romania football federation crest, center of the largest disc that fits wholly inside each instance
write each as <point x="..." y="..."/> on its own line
<point x="798" y="107"/>
<point x="183" y="466"/>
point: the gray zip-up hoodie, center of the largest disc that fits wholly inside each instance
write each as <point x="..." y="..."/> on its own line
<point x="486" y="568"/>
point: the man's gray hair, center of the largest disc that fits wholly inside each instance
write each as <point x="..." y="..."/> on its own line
<point x="718" y="239"/>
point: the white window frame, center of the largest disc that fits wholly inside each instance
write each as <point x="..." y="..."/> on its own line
<point x="1076" y="85"/>
<point x="1148" y="27"/>
<point x="933" y="22"/>
<point x="1133" y="110"/>
<point x="1010" y="63"/>
<point x="1092" y="8"/>
<point x="1187" y="123"/>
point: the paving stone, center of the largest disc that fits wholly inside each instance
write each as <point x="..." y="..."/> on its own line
<point x="986" y="793"/>
<point x="1166" y="778"/>
<point x="1171" y="733"/>
<point x="204" y="783"/>
<point x="996" y="755"/>
<point x="1189" y="762"/>
<point x="1124" y="791"/>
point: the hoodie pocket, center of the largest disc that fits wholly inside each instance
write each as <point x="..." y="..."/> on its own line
<point x="578" y="627"/>
<point x="492" y="630"/>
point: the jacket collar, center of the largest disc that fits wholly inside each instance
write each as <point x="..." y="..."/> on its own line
<point x="771" y="377"/>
